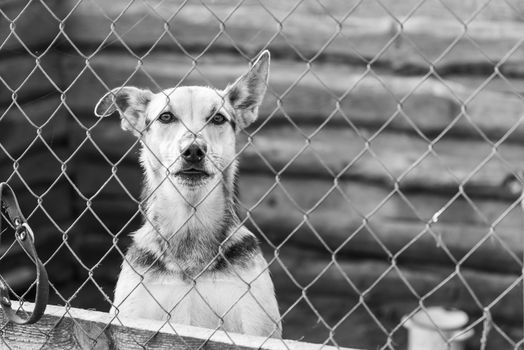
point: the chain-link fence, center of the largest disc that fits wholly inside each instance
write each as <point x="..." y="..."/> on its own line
<point x="375" y="177"/>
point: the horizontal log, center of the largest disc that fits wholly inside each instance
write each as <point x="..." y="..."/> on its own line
<point x="328" y="91"/>
<point x="367" y="220"/>
<point x="20" y="124"/>
<point x="251" y="28"/>
<point x="26" y="78"/>
<point x="23" y="15"/>
<point x="505" y="84"/>
<point x="39" y="169"/>
<point x="379" y="283"/>
<point x="78" y="328"/>
<point x="355" y="196"/>
<point x="371" y="221"/>
<point x="342" y="152"/>
<point x="390" y="158"/>
<point x="492" y="11"/>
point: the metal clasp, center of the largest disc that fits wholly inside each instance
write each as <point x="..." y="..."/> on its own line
<point x="22" y="230"/>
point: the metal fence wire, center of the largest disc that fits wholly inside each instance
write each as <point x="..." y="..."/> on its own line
<point x="381" y="178"/>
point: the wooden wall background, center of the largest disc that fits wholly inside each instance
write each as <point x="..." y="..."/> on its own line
<point x="365" y="139"/>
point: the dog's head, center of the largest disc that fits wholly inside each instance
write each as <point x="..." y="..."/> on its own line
<point x="188" y="133"/>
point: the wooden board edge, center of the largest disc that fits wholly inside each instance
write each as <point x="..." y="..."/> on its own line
<point x="214" y="339"/>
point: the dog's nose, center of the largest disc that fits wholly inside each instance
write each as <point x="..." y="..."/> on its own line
<point x="194" y="153"/>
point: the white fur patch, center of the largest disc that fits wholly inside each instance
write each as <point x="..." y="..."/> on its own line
<point x="243" y="303"/>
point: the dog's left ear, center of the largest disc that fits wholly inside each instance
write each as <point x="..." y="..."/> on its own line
<point x="246" y="94"/>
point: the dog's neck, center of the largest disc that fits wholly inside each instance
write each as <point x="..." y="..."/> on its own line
<point x="184" y="226"/>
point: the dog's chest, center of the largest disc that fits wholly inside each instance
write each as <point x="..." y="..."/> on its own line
<point x="204" y="302"/>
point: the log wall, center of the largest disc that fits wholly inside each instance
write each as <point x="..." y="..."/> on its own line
<point x="33" y="137"/>
<point x="393" y="122"/>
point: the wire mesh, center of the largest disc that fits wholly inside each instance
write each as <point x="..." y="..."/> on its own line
<point x="375" y="177"/>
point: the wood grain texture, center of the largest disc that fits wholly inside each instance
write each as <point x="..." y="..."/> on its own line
<point x="380" y="283"/>
<point x="389" y="157"/>
<point x="411" y="161"/>
<point x="368" y="220"/>
<point x="506" y="84"/>
<point x="423" y="40"/>
<point x="73" y="328"/>
<point x="352" y="218"/>
<point x="341" y="94"/>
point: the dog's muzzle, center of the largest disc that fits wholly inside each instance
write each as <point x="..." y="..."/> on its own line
<point x="193" y="156"/>
<point x="194" y="153"/>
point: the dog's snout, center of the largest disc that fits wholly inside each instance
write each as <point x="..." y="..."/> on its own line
<point x="194" y="153"/>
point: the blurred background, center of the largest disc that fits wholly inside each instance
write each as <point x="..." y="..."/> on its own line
<point x="374" y="177"/>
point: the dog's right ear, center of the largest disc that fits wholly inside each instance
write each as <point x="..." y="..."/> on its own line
<point x="130" y="102"/>
<point x="247" y="92"/>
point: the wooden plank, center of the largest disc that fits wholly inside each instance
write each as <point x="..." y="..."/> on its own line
<point x="380" y="282"/>
<point x="22" y="74"/>
<point x="23" y="15"/>
<point x="251" y="28"/>
<point x="71" y="327"/>
<point x="427" y="104"/>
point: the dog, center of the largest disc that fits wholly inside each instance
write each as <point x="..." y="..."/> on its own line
<point x="192" y="262"/>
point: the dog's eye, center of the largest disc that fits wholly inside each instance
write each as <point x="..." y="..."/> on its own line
<point x="218" y="119"/>
<point x="166" y="117"/>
